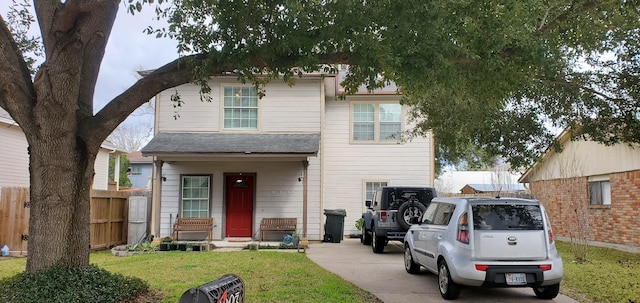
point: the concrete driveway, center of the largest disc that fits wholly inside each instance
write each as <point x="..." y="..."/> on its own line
<point x="384" y="276"/>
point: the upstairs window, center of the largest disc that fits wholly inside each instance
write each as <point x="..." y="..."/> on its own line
<point x="240" y="108"/>
<point x="376" y="122"/>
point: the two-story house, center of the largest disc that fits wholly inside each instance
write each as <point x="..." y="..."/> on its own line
<point x="293" y="153"/>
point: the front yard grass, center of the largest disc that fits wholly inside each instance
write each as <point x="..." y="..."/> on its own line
<point x="608" y="275"/>
<point x="269" y="276"/>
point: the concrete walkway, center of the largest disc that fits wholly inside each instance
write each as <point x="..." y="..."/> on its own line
<point x="384" y="276"/>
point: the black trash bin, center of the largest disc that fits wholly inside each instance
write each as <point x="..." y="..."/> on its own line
<point x="334" y="226"/>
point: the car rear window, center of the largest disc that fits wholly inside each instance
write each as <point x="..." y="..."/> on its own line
<point x="507" y="217"/>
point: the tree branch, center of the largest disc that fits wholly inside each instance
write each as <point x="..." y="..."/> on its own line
<point x="580" y="87"/>
<point x="553" y="24"/>
<point x="17" y="94"/>
<point x="177" y="73"/>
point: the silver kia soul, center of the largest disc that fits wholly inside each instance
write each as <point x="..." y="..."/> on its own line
<point x="488" y="242"/>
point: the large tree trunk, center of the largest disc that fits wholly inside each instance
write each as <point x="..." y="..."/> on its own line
<point x="61" y="173"/>
<point x="59" y="125"/>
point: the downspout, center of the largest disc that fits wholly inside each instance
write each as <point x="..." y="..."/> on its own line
<point x="433" y="158"/>
<point x="305" y="166"/>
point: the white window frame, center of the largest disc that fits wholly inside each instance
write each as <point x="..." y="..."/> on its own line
<point x="136" y="170"/>
<point x="204" y="210"/>
<point x="374" y="184"/>
<point x="600" y="192"/>
<point x="252" y="110"/>
<point x="377" y="122"/>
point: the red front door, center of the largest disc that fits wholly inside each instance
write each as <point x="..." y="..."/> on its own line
<point x="239" y="204"/>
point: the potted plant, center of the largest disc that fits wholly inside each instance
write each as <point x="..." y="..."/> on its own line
<point x="182" y="246"/>
<point x="165" y="243"/>
<point x="296" y="239"/>
<point x="173" y="245"/>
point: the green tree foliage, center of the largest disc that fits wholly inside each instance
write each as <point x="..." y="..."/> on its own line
<point x="124" y="166"/>
<point x="484" y="75"/>
<point x="490" y="78"/>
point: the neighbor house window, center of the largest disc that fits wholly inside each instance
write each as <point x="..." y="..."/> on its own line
<point x="600" y="193"/>
<point x="376" y="122"/>
<point x="240" y="107"/>
<point x="370" y="189"/>
<point x="195" y="196"/>
<point x="136" y="170"/>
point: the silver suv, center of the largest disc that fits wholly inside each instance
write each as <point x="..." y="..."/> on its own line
<point x="488" y="242"/>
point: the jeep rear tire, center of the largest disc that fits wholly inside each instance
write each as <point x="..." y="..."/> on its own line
<point x="366" y="237"/>
<point x="378" y="242"/>
<point x="409" y="210"/>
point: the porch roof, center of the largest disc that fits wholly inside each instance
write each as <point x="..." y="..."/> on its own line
<point x="224" y="143"/>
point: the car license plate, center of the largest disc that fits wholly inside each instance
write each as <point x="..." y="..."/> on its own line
<point x="516" y="279"/>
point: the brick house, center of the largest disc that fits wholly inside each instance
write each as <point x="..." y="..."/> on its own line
<point x="590" y="190"/>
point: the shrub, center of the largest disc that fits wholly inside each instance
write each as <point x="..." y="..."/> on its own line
<point x="76" y="284"/>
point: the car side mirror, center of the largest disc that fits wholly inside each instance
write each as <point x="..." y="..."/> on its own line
<point x="368" y="204"/>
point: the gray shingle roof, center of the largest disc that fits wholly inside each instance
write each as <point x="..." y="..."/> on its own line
<point x="204" y="143"/>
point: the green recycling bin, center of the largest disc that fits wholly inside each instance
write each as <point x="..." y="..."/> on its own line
<point x="334" y="226"/>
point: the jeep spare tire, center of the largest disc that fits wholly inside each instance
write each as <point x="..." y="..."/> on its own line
<point x="409" y="210"/>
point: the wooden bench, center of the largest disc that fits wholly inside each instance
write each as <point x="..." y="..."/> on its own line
<point x="277" y="225"/>
<point x="193" y="224"/>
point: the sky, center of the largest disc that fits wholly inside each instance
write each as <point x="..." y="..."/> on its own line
<point x="128" y="51"/>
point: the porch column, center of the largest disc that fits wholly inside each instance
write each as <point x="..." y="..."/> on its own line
<point x="305" y="165"/>
<point x="156" y="189"/>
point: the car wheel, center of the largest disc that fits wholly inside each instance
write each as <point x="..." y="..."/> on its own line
<point x="377" y="243"/>
<point x="547" y="292"/>
<point x="409" y="265"/>
<point x="449" y="290"/>
<point x="366" y="237"/>
<point x="409" y="210"/>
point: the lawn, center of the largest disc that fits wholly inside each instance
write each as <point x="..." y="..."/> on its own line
<point x="268" y="275"/>
<point x="608" y="275"/>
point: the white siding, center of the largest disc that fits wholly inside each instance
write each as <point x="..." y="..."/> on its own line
<point x="346" y="167"/>
<point x="15" y="159"/>
<point x="278" y="193"/>
<point x="101" y="168"/>
<point x="282" y="109"/>
<point x="193" y="116"/>
<point x="586" y="158"/>
<point x="13" y="156"/>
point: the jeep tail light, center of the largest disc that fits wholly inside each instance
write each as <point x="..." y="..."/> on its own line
<point x="545" y="267"/>
<point x="383" y="216"/>
<point x="482" y="267"/>
<point x="463" y="230"/>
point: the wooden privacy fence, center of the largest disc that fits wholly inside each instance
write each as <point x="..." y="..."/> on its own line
<point x="108" y="221"/>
